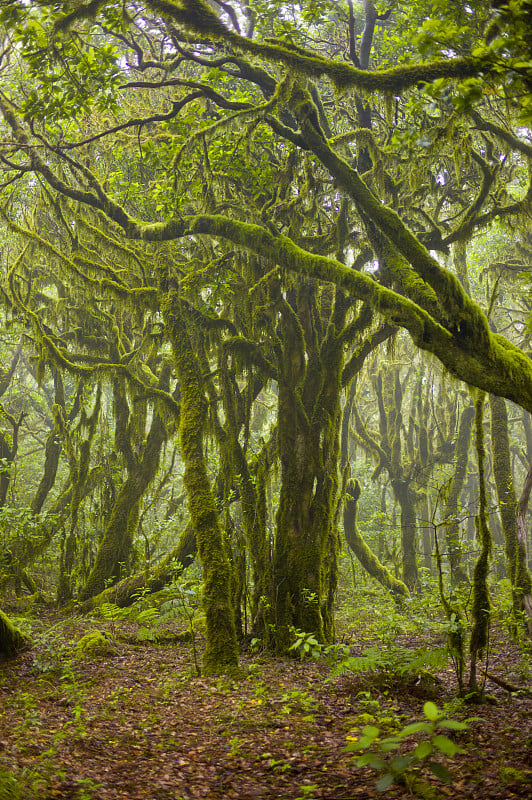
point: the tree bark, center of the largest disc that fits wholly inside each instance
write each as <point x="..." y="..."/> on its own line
<point x="221" y="651"/>
<point x="452" y="526"/>
<point x="523" y="582"/>
<point x="114" y="549"/>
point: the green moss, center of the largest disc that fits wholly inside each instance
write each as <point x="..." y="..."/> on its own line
<point x="96" y="644"/>
<point x="198" y="16"/>
<point x="511" y="775"/>
<point x="481" y="606"/>
<point x="460" y="459"/>
<point x="12" y="640"/>
<point x="517" y="567"/>
<point x="221" y="651"/>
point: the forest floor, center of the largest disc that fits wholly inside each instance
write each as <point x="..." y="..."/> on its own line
<point x="139" y="725"/>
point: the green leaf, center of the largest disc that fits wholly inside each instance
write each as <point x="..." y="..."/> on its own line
<point x="422" y="750"/>
<point x="453" y="724"/>
<point x="353" y="746"/>
<point x="370" y="731"/>
<point x="431" y="711"/>
<point x="366" y="741"/>
<point x="365" y="760"/>
<point x="446" y="745"/>
<point x="384" y="782"/>
<point x="388" y="746"/>
<point x="416" y="727"/>
<point x="440" y="771"/>
<point x="400" y="763"/>
<point x="148" y="615"/>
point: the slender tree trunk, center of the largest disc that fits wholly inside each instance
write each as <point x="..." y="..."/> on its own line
<point x="511" y="513"/>
<point x="426" y="536"/>
<point x="127" y="591"/>
<point x="523" y="583"/>
<point x="115" y="546"/>
<point x="480" y="607"/>
<point x="367" y="558"/>
<point x="405" y="498"/>
<point x="452" y="525"/>
<point x="52" y="452"/>
<point x="221" y="651"/>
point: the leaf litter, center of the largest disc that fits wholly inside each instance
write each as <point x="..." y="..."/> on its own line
<point x="142" y="726"/>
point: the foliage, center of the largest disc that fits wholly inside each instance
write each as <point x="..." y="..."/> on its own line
<point x="381" y="754"/>
<point x="394" y="660"/>
<point x="305" y="645"/>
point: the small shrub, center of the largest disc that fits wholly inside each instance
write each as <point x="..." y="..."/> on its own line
<point x="381" y="754"/>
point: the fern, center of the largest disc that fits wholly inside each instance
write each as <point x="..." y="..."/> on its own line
<point x="396" y="660"/>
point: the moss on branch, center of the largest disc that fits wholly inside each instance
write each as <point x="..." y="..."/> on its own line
<point x="197" y="16"/>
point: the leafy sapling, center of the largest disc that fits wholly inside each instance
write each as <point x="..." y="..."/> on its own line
<point x="383" y="755"/>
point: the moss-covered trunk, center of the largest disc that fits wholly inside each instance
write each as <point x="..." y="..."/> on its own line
<point x="126" y="591"/>
<point x="52" y="451"/>
<point x="307" y="540"/>
<point x="251" y="485"/>
<point x="405" y="497"/>
<point x="221" y="651"/>
<point x="480" y="607"/>
<point x="358" y="545"/>
<point x="12" y="641"/>
<point x="515" y="545"/>
<point x="452" y="526"/>
<point x="115" y="546"/>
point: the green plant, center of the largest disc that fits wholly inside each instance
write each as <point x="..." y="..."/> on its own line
<point x="333" y="653"/>
<point x="155" y="612"/>
<point x="307" y="791"/>
<point x="235" y="746"/>
<point x="305" y="645"/>
<point x="382" y="754"/>
<point x="366" y="700"/>
<point x="297" y="700"/>
<point x="397" y="660"/>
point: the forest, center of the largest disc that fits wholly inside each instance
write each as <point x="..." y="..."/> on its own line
<point x="265" y="399"/>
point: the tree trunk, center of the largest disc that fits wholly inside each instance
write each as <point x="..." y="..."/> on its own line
<point x="480" y="606"/>
<point x="12" y="641"/>
<point x="452" y="526"/>
<point x="405" y="498"/>
<point x="367" y="558"/>
<point x="307" y="540"/>
<point x="115" y="546"/>
<point x="511" y="513"/>
<point x="221" y="651"/>
<point x="522" y="581"/>
<point x="127" y="591"/>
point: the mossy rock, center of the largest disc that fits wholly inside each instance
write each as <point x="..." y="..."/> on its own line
<point x="96" y="644"/>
